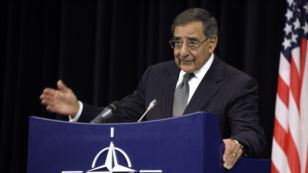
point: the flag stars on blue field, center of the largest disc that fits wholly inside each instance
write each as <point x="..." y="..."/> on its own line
<point x="296" y="25"/>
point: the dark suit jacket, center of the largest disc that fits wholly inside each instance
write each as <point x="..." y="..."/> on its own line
<point x="224" y="90"/>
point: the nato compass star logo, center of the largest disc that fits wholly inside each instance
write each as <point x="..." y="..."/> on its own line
<point x="111" y="164"/>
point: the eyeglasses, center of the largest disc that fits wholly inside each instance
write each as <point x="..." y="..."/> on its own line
<point x="191" y="44"/>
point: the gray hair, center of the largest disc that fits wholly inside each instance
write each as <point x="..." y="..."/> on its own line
<point x="209" y="22"/>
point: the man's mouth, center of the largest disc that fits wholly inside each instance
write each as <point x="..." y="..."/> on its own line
<point x="186" y="61"/>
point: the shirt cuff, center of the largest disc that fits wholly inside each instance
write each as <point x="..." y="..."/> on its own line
<point x="76" y="117"/>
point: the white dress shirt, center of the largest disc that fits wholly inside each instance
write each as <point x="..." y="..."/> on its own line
<point x="195" y="81"/>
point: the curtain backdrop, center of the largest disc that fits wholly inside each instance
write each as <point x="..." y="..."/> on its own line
<point x="97" y="45"/>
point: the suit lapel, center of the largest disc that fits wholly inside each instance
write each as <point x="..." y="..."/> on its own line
<point x="207" y="89"/>
<point x="168" y="90"/>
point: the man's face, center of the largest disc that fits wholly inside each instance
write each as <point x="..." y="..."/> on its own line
<point x="188" y="57"/>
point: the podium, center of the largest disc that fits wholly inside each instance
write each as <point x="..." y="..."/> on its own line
<point x="186" y="144"/>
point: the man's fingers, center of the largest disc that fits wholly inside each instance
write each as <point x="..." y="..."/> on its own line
<point x="47" y="92"/>
<point x="234" y="157"/>
<point x="230" y="162"/>
<point x="44" y="101"/>
<point x="232" y="153"/>
<point x="50" y="97"/>
<point x="62" y="86"/>
<point x="61" y="100"/>
<point x="228" y="149"/>
<point x="230" y="159"/>
<point x="47" y="100"/>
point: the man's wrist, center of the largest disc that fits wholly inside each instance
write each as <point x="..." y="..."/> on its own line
<point x="236" y="141"/>
<point x="243" y="148"/>
<point x="76" y="117"/>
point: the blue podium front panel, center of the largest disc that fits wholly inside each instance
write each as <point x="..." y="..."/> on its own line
<point x="189" y="144"/>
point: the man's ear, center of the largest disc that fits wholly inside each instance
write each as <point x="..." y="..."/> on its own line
<point x="213" y="43"/>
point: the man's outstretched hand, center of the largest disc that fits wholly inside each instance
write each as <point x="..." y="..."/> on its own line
<point x="61" y="100"/>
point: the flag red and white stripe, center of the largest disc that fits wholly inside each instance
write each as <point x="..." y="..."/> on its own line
<point x="290" y="139"/>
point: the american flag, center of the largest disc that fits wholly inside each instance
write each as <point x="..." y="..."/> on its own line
<point x="290" y="140"/>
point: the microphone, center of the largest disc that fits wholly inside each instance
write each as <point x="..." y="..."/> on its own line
<point x="151" y="105"/>
<point x="107" y="113"/>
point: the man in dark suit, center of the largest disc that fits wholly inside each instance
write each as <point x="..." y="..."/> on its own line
<point x="213" y="86"/>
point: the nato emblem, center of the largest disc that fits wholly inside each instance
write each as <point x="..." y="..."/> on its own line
<point x="111" y="164"/>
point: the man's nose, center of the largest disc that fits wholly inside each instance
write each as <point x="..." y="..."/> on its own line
<point x="184" y="50"/>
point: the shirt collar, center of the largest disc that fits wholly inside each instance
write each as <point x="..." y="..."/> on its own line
<point x="199" y="74"/>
